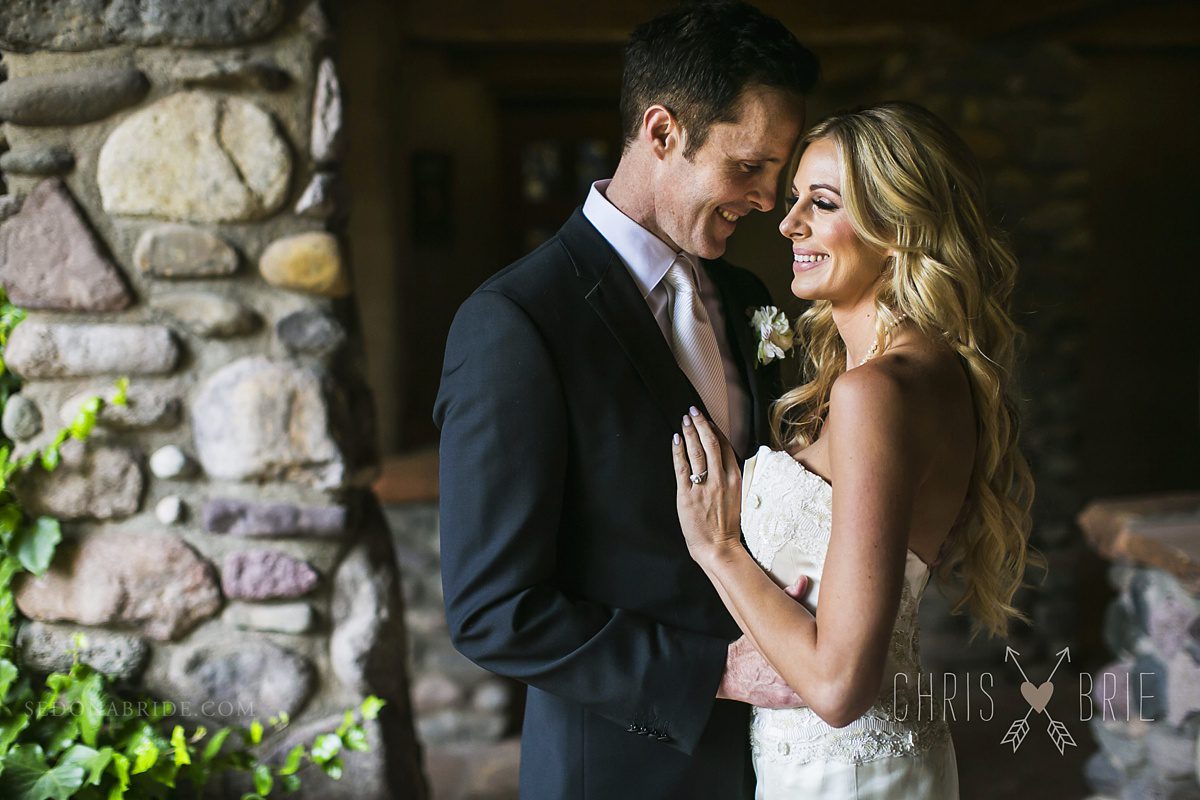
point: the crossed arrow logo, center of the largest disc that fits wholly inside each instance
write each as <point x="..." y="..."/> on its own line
<point x="1037" y="697"/>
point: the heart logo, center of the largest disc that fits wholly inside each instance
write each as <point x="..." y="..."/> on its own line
<point x="1037" y="696"/>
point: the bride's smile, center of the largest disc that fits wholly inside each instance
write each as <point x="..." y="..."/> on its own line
<point x="829" y="258"/>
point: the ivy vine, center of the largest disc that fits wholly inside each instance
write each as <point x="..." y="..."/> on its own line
<point x="65" y="735"/>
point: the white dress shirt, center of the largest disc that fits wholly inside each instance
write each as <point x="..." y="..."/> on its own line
<point x="648" y="258"/>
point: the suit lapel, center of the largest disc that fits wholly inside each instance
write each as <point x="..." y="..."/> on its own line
<point x="616" y="300"/>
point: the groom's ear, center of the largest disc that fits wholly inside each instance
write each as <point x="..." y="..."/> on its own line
<point x="661" y="129"/>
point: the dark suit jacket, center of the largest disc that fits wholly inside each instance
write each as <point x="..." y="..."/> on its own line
<point x="562" y="559"/>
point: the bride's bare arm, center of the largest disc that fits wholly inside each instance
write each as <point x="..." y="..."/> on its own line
<point x="834" y="661"/>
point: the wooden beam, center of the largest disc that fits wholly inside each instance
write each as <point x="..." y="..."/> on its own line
<point x="530" y="23"/>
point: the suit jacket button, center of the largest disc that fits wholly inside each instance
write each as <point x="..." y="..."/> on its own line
<point x="662" y="737"/>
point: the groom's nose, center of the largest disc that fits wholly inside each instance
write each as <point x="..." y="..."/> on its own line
<point x="762" y="197"/>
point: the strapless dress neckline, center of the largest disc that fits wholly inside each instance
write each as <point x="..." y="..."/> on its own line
<point x="787" y="513"/>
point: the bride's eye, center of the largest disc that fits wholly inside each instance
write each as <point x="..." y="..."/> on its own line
<point x="790" y="201"/>
<point x="823" y="204"/>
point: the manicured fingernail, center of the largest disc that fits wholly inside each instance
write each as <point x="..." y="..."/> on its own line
<point x="687" y="422"/>
<point x="675" y="439"/>
<point x="695" y="412"/>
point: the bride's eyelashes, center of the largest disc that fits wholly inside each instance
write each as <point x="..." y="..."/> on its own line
<point x="818" y="202"/>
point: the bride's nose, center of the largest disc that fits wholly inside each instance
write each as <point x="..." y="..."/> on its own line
<point x="793" y="224"/>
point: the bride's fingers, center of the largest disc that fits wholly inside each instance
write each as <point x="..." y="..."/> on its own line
<point x="695" y="450"/>
<point x="682" y="468"/>
<point x="709" y="438"/>
<point x="728" y="457"/>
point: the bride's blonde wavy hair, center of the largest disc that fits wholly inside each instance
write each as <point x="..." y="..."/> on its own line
<point x="912" y="186"/>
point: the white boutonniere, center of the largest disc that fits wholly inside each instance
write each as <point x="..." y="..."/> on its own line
<point x="775" y="334"/>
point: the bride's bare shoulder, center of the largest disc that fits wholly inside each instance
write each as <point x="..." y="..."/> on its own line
<point x="909" y="388"/>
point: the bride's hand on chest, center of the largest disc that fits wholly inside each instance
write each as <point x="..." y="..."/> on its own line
<point x="708" y="486"/>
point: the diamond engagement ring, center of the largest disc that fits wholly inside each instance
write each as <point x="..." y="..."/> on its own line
<point x="698" y="479"/>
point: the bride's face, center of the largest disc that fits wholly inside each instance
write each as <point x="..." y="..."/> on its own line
<point x="830" y="261"/>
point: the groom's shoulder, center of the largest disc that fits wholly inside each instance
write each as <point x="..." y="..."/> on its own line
<point x="550" y="269"/>
<point x="529" y="271"/>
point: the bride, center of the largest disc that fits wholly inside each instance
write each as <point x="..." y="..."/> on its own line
<point x="897" y="457"/>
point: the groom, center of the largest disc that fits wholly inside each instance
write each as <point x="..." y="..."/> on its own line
<point x="565" y="376"/>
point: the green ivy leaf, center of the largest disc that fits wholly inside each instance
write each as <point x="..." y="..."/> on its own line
<point x="35" y="544"/>
<point x="325" y="747"/>
<point x="290" y="783"/>
<point x="82" y="425"/>
<point x="256" y="732"/>
<point x="51" y="458"/>
<point x="214" y="745"/>
<point x="10" y="729"/>
<point x="347" y="722"/>
<point x="120" y="771"/>
<point x="179" y="742"/>
<point x="333" y="768"/>
<point x="94" y="761"/>
<point x="355" y="738"/>
<point x="88" y="697"/>
<point x="27" y="776"/>
<point x="121" y="398"/>
<point x="145" y="755"/>
<point x="371" y="705"/>
<point x="56" y="684"/>
<point x="10" y="516"/>
<point x="292" y="763"/>
<point x="8" y="674"/>
<point x="263" y="781"/>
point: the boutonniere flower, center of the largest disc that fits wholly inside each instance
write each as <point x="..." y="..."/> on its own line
<point x="775" y="334"/>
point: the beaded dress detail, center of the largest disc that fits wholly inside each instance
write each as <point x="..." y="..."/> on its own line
<point x="786" y="518"/>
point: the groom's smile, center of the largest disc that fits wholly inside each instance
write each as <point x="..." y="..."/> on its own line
<point x="736" y="170"/>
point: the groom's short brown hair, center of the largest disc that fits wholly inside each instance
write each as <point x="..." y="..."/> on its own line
<point x="698" y="58"/>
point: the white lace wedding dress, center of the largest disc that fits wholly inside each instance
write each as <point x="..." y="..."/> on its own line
<point x="892" y="751"/>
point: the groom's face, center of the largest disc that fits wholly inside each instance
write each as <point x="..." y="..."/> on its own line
<point x="700" y="200"/>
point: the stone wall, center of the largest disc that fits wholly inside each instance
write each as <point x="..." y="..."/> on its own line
<point x="466" y="718"/>
<point x="171" y="214"/>
<point x="1146" y="703"/>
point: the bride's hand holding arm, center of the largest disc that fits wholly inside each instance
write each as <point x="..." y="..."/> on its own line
<point x="876" y="465"/>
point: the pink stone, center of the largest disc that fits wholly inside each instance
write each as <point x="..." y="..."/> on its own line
<point x="49" y="257"/>
<point x="156" y="584"/>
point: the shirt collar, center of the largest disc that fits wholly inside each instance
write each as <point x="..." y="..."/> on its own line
<point x="645" y="255"/>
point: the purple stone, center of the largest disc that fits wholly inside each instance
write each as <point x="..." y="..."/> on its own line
<point x="266" y="575"/>
<point x="249" y="518"/>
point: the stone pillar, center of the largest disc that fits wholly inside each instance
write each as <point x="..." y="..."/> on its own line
<point x="466" y="718"/>
<point x="1145" y="705"/>
<point x="171" y="214"/>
